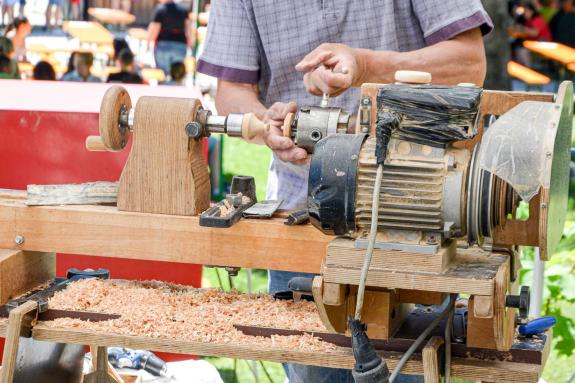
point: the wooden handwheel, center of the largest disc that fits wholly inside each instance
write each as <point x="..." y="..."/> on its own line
<point x="114" y="135"/>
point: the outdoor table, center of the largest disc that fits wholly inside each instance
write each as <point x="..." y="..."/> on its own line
<point x="553" y="51"/>
<point x="112" y="16"/>
<point x="89" y="32"/>
<point x="525" y="74"/>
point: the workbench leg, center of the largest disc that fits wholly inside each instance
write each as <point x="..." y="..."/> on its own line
<point x="431" y="361"/>
<point x="102" y="372"/>
<point x="19" y="323"/>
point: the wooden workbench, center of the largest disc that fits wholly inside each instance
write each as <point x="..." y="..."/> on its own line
<point x="105" y="231"/>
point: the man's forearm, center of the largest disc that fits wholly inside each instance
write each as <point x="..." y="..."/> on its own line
<point x="461" y="59"/>
<point x="233" y="97"/>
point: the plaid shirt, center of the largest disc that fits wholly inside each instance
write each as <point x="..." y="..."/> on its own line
<point x="260" y="41"/>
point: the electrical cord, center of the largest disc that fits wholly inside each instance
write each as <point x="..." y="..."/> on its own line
<point x="447" y="336"/>
<point x="371" y="245"/>
<point x="421" y="338"/>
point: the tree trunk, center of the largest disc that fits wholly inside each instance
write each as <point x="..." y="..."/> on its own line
<point x="497" y="46"/>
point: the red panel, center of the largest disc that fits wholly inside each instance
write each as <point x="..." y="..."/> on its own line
<point x="43" y="128"/>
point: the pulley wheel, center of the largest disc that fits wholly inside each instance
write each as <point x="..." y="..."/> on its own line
<point x="114" y="135"/>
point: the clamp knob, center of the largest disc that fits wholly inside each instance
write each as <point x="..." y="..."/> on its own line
<point x="520" y="302"/>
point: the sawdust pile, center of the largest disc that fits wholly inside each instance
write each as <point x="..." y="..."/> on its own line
<point x="161" y="310"/>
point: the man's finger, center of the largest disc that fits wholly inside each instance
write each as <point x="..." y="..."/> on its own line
<point x="276" y="142"/>
<point x="313" y="59"/>
<point x="292" y="155"/>
<point x="310" y="87"/>
<point x="290" y="107"/>
<point x="334" y="80"/>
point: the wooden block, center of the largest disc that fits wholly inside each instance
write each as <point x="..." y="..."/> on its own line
<point x="479" y="330"/>
<point x="21" y="271"/>
<point x="90" y="193"/>
<point x="382" y="313"/>
<point x="498" y="330"/>
<point x="341" y="252"/>
<point x="334" y="294"/>
<point x="431" y="360"/>
<point x="483" y="306"/>
<point x="334" y="318"/>
<point x="421" y="297"/>
<point x="165" y="172"/>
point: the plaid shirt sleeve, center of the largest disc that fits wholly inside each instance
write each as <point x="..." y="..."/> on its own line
<point x="231" y="49"/>
<point x="441" y="20"/>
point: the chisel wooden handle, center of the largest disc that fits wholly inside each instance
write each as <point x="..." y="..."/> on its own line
<point x="95" y="144"/>
<point x="252" y="127"/>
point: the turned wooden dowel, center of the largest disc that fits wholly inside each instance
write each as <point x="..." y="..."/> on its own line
<point x="95" y="144"/>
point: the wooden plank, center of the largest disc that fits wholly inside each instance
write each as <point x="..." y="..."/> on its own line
<point x="72" y="194"/>
<point x="412" y="281"/>
<point x="463" y="368"/>
<point x="342" y="252"/>
<point x="431" y="360"/>
<point x="471" y="272"/>
<point x="21" y="271"/>
<point x="105" y="231"/>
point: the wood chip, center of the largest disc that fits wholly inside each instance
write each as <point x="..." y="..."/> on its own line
<point x="162" y="310"/>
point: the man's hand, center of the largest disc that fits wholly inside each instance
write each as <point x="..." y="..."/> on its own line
<point x="331" y="69"/>
<point x="283" y="147"/>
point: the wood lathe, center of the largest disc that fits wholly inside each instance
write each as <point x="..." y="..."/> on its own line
<point x="427" y="185"/>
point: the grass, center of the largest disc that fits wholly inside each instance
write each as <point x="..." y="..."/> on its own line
<point x="255" y="161"/>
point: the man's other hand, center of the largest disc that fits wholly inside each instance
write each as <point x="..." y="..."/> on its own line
<point x="283" y="147"/>
<point x="331" y="69"/>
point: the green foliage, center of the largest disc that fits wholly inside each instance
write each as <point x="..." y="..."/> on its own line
<point x="559" y="292"/>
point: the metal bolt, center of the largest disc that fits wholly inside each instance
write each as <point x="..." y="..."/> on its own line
<point x="194" y="129"/>
<point x="543" y="206"/>
<point x="354" y="157"/>
<point x="365" y="101"/>
<point x="19" y="239"/>
<point x="364" y="130"/>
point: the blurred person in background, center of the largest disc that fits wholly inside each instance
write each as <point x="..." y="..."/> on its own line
<point x="177" y="74"/>
<point x="43" y="70"/>
<point x="7" y="50"/>
<point x="124" y="5"/>
<point x="170" y="30"/>
<point x="563" y="24"/>
<point x="127" y="74"/>
<point x="529" y="24"/>
<point x="6" y="68"/>
<point x="547" y="8"/>
<point x="8" y="10"/>
<point x="17" y="32"/>
<point x="75" y="9"/>
<point x="83" y="62"/>
<point x="54" y="9"/>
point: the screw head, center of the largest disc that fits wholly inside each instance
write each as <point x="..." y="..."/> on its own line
<point x="194" y="129"/>
<point x="19" y="239"/>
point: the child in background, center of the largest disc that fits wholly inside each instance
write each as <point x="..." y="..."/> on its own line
<point x="6" y="68"/>
<point x="17" y="32"/>
<point x="43" y="70"/>
<point x="177" y="74"/>
<point x="83" y="62"/>
<point x="127" y="74"/>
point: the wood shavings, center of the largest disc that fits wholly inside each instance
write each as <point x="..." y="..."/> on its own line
<point x="162" y="310"/>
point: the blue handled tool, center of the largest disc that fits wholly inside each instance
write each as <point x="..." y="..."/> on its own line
<point x="537" y="326"/>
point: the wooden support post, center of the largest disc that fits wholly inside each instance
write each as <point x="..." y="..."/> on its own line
<point x="101" y="372"/>
<point x="431" y="360"/>
<point x="20" y="323"/>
